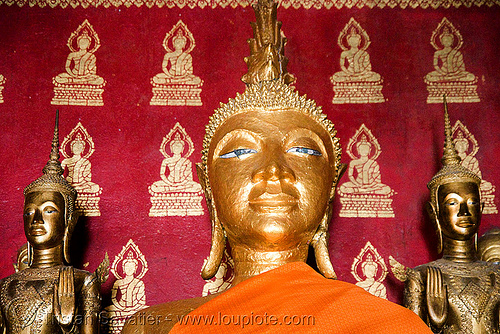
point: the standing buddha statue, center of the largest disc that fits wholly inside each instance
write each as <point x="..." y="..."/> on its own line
<point x="49" y="296"/>
<point x="457" y="293"/>
<point x="270" y="167"/>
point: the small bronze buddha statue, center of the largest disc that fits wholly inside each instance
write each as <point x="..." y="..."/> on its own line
<point x="270" y="167"/>
<point x="49" y="296"/>
<point x="457" y="293"/>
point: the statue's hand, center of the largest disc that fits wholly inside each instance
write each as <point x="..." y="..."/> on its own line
<point x="64" y="298"/>
<point x="437" y="297"/>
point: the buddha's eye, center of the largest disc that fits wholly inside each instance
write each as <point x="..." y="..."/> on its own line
<point x="304" y="150"/>
<point x="238" y="153"/>
<point x="451" y="203"/>
<point x="28" y="213"/>
<point x="50" y="210"/>
<point x="473" y="202"/>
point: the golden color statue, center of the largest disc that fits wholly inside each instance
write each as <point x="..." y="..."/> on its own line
<point x="488" y="246"/>
<point x="270" y="167"/>
<point x="457" y="293"/>
<point x="50" y="296"/>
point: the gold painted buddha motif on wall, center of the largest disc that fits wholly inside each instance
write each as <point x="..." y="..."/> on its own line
<point x="364" y="194"/>
<point x="128" y="293"/>
<point x="176" y="85"/>
<point x="76" y="148"/>
<point x="176" y="194"/>
<point x="80" y="85"/>
<point x="449" y="76"/>
<point x="356" y="82"/>
<point x="457" y="293"/>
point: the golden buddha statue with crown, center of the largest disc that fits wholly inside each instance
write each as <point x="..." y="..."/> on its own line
<point x="457" y="293"/>
<point x="80" y="85"/>
<point x="270" y="167"/>
<point x="50" y="296"/>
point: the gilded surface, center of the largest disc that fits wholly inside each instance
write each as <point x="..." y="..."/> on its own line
<point x="176" y="85"/>
<point x="76" y="148"/>
<point x="128" y="294"/>
<point x="223" y="277"/>
<point x="176" y="194"/>
<point x="328" y="4"/>
<point x="473" y="292"/>
<point x="80" y="85"/>
<point x="364" y="194"/>
<point x="370" y="271"/>
<point x="449" y="76"/>
<point x="269" y="170"/>
<point x="457" y="293"/>
<point x="49" y="296"/>
<point x="467" y="147"/>
<point x="356" y="82"/>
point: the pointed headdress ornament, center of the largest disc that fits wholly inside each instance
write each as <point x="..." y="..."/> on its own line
<point x="52" y="178"/>
<point x="452" y="170"/>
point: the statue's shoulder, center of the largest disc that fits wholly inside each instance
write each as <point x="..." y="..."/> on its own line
<point x="162" y="318"/>
<point x="85" y="279"/>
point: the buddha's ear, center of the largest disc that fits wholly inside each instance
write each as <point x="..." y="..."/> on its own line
<point x="320" y="246"/>
<point x="340" y="172"/>
<point x="433" y="215"/>
<point x="72" y="218"/>
<point x="218" y="238"/>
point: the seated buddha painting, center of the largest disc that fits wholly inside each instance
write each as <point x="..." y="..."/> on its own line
<point x="80" y="84"/>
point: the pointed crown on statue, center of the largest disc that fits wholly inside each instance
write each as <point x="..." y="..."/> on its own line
<point x="52" y="178"/>
<point x="452" y="170"/>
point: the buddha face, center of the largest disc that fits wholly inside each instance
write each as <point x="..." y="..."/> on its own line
<point x="271" y="174"/>
<point x="77" y="147"/>
<point x="459" y="209"/>
<point x="129" y="267"/>
<point x="447" y="40"/>
<point x="177" y="147"/>
<point x="44" y="219"/>
<point x="179" y="43"/>
<point x="462" y="145"/>
<point x="364" y="149"/>
<point x="354" y="41"/>
<point x="84" y="43"/>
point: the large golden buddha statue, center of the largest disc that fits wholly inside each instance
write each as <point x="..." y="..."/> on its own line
<point x="49" y="296"/>
<point x="457" y="293"/>
<point x="270" y="167"/>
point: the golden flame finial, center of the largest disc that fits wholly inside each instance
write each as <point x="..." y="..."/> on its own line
<point x="452" y="170"/>
<point x="267" y="59"/>
<point x="53" y="166"/>
<point x="450" y="155"/>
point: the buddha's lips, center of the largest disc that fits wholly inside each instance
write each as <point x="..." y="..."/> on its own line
<point x="37" y="230"/>
<point x="274" y="200"/>
<point x="465" y="224"/>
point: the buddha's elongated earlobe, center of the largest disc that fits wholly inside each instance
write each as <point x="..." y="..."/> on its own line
<point x="431" y="210"/>
<point x="218" y="238"/>
<point x="320" y="245"/>
<point x="30" y="254"/>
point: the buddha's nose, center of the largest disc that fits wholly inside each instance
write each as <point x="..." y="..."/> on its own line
<point x="464" y="210"/>
<point x="274" y="172"/>
<point x="37" y="217"/>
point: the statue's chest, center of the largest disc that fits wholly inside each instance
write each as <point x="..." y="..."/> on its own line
<point x="27" y="303"/>
<point x="473" y="290"/>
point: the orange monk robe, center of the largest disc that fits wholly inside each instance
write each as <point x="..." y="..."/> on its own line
<point x="295" y="299"/>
